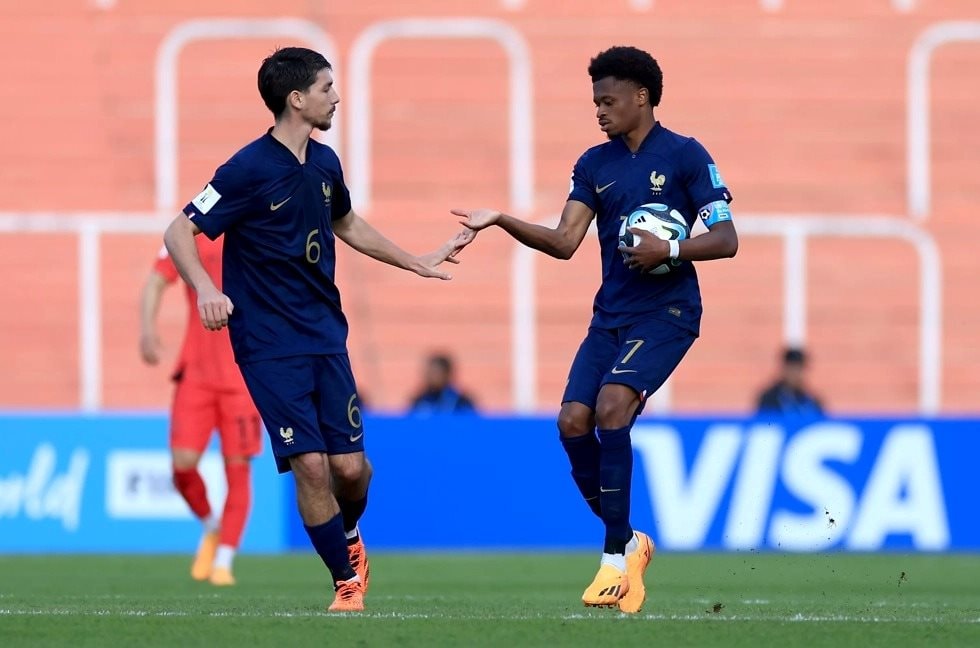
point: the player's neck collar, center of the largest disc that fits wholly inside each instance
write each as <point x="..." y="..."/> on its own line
<point x="655" y="130"/>
<point x="281" y="146"/>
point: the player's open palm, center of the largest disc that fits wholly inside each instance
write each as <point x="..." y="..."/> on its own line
<point x="477" y="219"/>
<point x="214" y="307"/>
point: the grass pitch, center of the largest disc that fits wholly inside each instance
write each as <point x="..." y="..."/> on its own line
<point x="742" y="599"/>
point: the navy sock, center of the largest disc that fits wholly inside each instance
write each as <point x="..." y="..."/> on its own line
<point x="583" y="454"/>
<point x="615" y="479"/>
<point x="352" y="510"/>
<point x="329" y="541"/>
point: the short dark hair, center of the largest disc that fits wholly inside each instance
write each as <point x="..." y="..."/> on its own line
<point x="794" y="355"/>
<point x="629" y="64"/>
<point x="443" y="361"/>
<point x="285" y="70"/>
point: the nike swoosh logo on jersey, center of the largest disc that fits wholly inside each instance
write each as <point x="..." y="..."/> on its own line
<point x="599" y="189"/>
<point x="355" y="439"/>
<point x="275" y="206"/>
<point x="619" y="371"/>
<point x="609" y="490"/>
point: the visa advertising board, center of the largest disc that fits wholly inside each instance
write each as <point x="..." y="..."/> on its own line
<point x="102" y="484"/>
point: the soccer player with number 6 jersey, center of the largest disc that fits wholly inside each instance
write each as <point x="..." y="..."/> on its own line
<point x="644" y="322"/>
<point x="281" y="202"/>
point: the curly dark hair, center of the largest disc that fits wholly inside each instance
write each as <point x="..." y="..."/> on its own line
<point x="629" y="64"/>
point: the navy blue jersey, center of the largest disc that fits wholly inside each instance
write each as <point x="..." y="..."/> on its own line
<point x="613" y="181"/>
<point x="279" y="253"/>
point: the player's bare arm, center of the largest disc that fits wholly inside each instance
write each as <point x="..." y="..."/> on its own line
<point x="213" y="306"/>
<point x="719" y="242"/>
<point x="149" y="305"/>
<point x="559" y="242"/>
<point x="360" y="235"/>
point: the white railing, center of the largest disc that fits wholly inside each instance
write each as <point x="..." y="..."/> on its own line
<point x="901" y="6"/>
<point x="166" y="106"/>
<point x="89" y="226"/>
<point x="520" y="96"/>
<point x="918" y="126"/>
<point x="794" y="229"/>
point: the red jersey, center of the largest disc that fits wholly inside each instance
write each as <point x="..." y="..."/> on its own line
<point x="205" y="358"/>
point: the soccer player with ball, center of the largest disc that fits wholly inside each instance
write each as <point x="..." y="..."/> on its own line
<point x="645" y="187"/>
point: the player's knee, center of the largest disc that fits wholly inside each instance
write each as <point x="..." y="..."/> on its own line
<point x="349" y="469"/>
<point x="573" y="425"/>
<point x="614" y="412"/>
<point x="184" y="460"/>
<point x="310" y="469"/>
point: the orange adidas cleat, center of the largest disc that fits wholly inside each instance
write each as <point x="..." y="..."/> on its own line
<point x="609" y="586"/>
<point x="636" y="565"/>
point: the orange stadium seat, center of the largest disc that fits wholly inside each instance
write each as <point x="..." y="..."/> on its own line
<point x="803" y="108"/>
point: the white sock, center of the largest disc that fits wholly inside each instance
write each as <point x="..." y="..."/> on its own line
<point x="223" y="557"/>
<point x="211" y="524"/>
<point x="632" y="545"/>
<point x="353" y="533"/>
<point x="616" y="560"/>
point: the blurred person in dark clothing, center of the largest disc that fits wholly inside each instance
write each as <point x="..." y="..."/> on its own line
<point x="789" y="396"/>
<point x="439" y="395"/>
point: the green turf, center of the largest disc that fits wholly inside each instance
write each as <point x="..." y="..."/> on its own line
<point x="742" y="599"/>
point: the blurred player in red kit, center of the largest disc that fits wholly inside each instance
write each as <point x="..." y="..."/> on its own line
<point x="210" y="394"/>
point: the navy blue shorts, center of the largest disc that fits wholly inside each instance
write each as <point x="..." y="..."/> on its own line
<point x="308" y="404"/>
<point x="641" y="356"/>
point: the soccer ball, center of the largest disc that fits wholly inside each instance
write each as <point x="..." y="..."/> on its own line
<point x="661" y="221"/>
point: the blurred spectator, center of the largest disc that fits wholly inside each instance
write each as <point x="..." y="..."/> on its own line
<point x="210" y="395"/>
<point x="439" y="395"/>
<point x="789" y="396"/>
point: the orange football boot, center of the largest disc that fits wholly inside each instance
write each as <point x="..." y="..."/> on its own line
<point x="204" y="560"/>
<point x="349" y="596"/>
<point x="359" y="560"/>
<point x="636" y="565"/>
<point x="609" y="586"/>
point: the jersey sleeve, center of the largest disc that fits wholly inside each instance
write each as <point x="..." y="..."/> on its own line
<point x="223" y="202"/>
<point x="164" y="266"/>
<point x="703" y="180"/>
<point x="341" y="196"/>
<point x="582" y="188"/>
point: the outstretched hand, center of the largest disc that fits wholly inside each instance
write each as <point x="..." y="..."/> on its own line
<point x="477" y="219"/>
<point x="647" y="252"/>
<point x="429" y="263"/>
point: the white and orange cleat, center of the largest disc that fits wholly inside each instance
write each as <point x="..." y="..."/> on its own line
<point x="636" y="565"/>
<point x="349" y="596"/>
<point x="359" y="560"/>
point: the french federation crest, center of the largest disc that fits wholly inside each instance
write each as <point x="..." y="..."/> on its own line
<point x="657" y="181"/>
